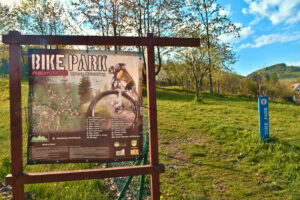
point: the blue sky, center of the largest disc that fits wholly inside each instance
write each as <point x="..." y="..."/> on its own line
<point x="270" y="32"/>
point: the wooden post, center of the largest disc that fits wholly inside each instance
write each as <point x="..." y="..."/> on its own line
<point x="16" y="114"/>
<point x="152" y="118"/>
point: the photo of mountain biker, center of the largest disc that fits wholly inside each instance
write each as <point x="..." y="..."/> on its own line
<point x="120" y="73"/>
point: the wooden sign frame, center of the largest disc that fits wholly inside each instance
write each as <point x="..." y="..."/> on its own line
<point x="18" y="178"/>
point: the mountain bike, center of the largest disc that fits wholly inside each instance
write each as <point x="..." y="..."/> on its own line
<point x="115" y="103"/>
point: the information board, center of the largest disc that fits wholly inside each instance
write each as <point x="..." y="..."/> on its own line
<point x="84" y="106"/>
<point x="263" y="112"/>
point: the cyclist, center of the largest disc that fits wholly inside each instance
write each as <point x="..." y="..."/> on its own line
<point x="120" y="73"/>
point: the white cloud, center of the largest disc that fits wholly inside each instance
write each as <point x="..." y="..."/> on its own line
<point x="244" y="34"/>
<point x="255" y="21"/>
<point x="272" y="38"/>
<point x="10" y="2"/>
<point x="226" y="10"/>
<point x="297" y="63"/>
<point x="277" y="11"/>
<point x="245" y="11"/>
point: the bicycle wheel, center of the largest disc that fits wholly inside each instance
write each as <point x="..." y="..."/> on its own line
<point x="109" y="104"/>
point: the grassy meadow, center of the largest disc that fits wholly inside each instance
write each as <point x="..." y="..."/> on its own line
<point x="211" y="150"/>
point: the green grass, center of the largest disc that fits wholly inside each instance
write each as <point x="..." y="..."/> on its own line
<point x="211" y="150"/>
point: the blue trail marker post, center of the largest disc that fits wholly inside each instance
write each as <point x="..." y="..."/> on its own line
<point x="263" y="113"/>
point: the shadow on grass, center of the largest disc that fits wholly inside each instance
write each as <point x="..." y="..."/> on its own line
<point x="176" y="94"/>
<point x="185" y="91"/>
<point x="285" y="144"/>
<point x="172" y="94"/>
<point x="228" y="97"/>
<point x="209" y="99"/>
<point x="228" y="168"/>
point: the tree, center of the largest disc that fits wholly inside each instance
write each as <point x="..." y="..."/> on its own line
<point x="44" y="17"/>
<point x="249" y="87"/>
<point x="154" y="16"/>
<point x="274" y="78"/>
<point x="231" y="83"/>
<point x="210" y="25"/>
<point x="108" y="17"/>
<point x="6" y="23"/>
<point x="85" y="90"/>
<point x="196" y="68"/>
<point x="166" y="13"/>
<point x="176" y="72"/>
<point x="131" y="17"/>
<point x="5" y="18"/>
<point x="40" y="17"/>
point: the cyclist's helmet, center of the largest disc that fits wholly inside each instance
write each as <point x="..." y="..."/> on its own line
<point x="119" y="66"/>
<point x="111" y="70"/>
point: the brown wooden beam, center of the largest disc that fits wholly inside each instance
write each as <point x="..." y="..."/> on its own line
<point x="152" y="119"/>
<point x="16" y="38"/>
<point x="16" y="117"/>
<point x="46" y="177"/>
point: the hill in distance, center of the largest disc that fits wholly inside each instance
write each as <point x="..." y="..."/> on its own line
<point x="284" y="72"/>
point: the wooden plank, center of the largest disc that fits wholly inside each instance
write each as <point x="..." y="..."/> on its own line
<point x="16" y="117"/>
<point x="152" y="119"/>
<point x="152" y="113"/>
<point x="155" y="186"/>
<point x="32" y="178"/>
<point x="12" y="38"/>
